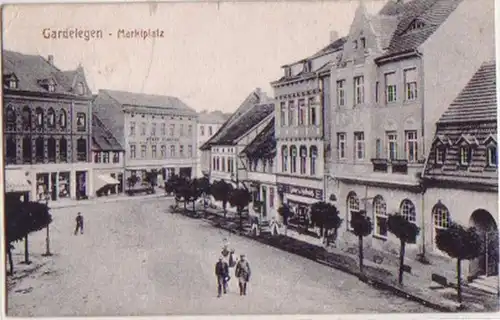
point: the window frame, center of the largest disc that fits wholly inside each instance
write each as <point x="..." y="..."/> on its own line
<point x="393" y="141"/>
<point x="379" y="213"/>
<point x="359" y="145"/>
<point x="359" y="90"/>
<point x="341" y="145"/>
<point x="341" y="93"/>
<point x="391" y="90"/>
<point x="409" y="142"/>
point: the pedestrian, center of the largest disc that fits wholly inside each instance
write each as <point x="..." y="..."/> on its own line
<point x="79" y="223"/>
<point x="222" y="274"/>
<point x="242" y="272"/>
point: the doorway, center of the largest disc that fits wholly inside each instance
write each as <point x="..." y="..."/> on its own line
<point x="487" y="263"/>
<point x="264" y="203"/>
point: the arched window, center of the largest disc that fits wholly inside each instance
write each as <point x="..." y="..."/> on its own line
<point x="284" y="159"/>
<point x="51" y="149"/>
<point x="218" y="164"/>
<point x="39" y="154"/>
<point x="440" y="217"/>
<point x="63" y="150"/>
<point x="27" y="151"/>
<point x="63" y="119"/>
<point x="380" y="216"/>
<point x="293" y="159"/>
<point x="407" y="210"/>
<point x="313" y="154"/>
<point x="26" y="118"/>
<point x="11" y="150"/>
<point x="81" y="149"/>
<point x="352" y="207"/>
<point x="303" y="159"/>
<point x="39" y="117"/>
<point x="10" y="118"/>
<point x="51" y="118"/>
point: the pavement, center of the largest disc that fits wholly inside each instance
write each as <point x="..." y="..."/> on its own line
<point x="66" y="203"/>
<point x="137" y="258"/>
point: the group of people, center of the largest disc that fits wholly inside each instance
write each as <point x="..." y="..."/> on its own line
<point x="242" y="271"/>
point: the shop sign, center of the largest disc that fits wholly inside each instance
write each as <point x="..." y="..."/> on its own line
<point x="301" y="191"/>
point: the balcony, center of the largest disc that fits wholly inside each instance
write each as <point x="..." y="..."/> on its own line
<point x="399" y="166"/>
<point x="380" y="165"/>
<point x="81" y="156"/>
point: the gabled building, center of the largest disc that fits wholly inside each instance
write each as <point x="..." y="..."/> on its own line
<point x="208" y="124"/>
<point x="461" y="173"/>
<point x="47" y="127"/>
<point x="302" y="125"/>
<point x="399" y="70"/>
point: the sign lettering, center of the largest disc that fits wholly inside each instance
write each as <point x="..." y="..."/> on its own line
<point x="301" y="191"/>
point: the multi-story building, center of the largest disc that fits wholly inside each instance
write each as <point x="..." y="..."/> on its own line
<point x="208" y="124"/>
<point x="461" y="174"/>
<point x="399" y="70"/>
<point x="301" y="125"/>
<point x="47" y="125"/>
<point x="157" y="132"/>
<point x="108" y="158"/>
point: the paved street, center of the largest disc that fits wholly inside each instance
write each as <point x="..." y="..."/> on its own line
<point x="136" y="258"/>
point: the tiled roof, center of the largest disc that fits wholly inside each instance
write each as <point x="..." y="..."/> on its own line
<point x="384" y="28"/>
<point x="432" y="13"/>
<point x="264" y="144"/>
<point x="30" y="70"/>
<point x="150" y="100"/>
<point x="332" y="47"/>
<point x="478" y="100"/>
<point x="102" y="139"/>
<point x="392" y="8"/>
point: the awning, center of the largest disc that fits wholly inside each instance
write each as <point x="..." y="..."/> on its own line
<point x="104" y="180"/>
<point x="16" y="181"/>
<point x="300" y="199"/>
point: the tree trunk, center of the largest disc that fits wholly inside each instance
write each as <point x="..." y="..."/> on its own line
<point x="26" y="251"/>
<point x="194" y="207"/>
<point x="224" y="204"/>
<point x="401" y="261"/>
<point x="240" y="213"/>
<point x="47" y="242"/>
<point x="360" y="249"/>
<point x="459" y="281"/>
<point x="9" y="256"/>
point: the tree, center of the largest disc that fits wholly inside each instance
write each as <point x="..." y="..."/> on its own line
<point x="362" y="227"/>
<point x="204" y="187"/>
<point x="407" y="232"/>
<point x="286" y="213"/>
<point x="221" y="191"/>
<point x="35" y="216"/>
<point x="461" y="244"/>
<point x="132" y="181"/>
<point x="152" y="177"/>
<point x="195" y="192"/>
<point x="326" y="217"/>
<point x="240" y="198"/>
<point x="183" y="191"/>
<point x="13" y="230"/>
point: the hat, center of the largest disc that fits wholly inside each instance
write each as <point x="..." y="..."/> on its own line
<point x="242" y="255"/>
<point x="220" y="258"/>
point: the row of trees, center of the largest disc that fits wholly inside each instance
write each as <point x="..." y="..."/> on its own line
<point x="21" y="219"/>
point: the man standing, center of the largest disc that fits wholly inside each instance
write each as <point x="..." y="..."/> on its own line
<point x="222" y="274"/>
<point x="79" y="223"/>
<point x="242" y="272"/>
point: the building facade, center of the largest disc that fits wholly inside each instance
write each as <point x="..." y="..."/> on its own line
<point x="300" y="126"/>
<point x="47" y="126"/>
<point x="387" y="92"/>
<point x="461" y="174"/>
<point x="208" y="124"/>
<point x="159" y="133"/>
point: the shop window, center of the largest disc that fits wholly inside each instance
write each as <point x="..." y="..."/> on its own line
<point x="51" y="149"/>
<point x="39" y="154"/>
<point x="63" y="150"/>
<point x="64" y="185"/>
<point x="81" y="149"/>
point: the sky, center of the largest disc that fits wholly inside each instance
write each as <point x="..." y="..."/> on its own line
<point x="212" y="54"/>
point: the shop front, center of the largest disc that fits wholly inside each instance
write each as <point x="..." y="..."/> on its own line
<point x="106" y="182"/>
<point x="299" y="199"/>
<point x="17" y="184"/>
<point x="55" y="185"/>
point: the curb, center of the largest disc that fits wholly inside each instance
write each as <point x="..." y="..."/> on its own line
<point x="83" y="204"/>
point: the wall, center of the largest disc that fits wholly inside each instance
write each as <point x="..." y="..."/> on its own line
<point x="111" y="114"/>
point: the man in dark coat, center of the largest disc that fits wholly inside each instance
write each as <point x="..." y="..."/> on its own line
<point x="222" y="274"/>
<point x="79" y="224"/>
<point x="243" y="272"/>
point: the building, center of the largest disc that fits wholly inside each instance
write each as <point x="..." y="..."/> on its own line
<point x="47" y="126"/>
<point x="260" y="158"/>
<point x="399" y="70"/>
<point x="108" y="158"/>
<point x="208" y="124"/>
<point x="461" y="174"/>
<point x="157" y="132"/>
<point x="301" y="123"/>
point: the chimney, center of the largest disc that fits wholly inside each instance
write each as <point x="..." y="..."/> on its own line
<point x="334" y="35"/>
<point x="51" y="59"/>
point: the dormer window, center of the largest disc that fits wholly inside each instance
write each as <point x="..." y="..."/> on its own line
<point x="11" y="81"/>
<point x="415" y="25"/>
<point x="48" y="84"/>
<point x="288" y="72"/>
<point x="440" y="155"/>
<point x="491" y="154"/>
<point x="465" y="156"/>
<point x="363" y="42"/>
<point x="51" y="88"/>
<point x="12" y="84"/>
<point x="307" y="66"/>
<point x="80" y="88"/>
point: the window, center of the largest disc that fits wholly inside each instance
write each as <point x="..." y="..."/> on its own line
<point x="223" y="164"/>
<point x="363" y="42"/>
<point x="313" y="154"/>
<point x="293" y="159"/>
<point x="52" y="87"/>
<point x="340" y="93"/>
<point x="26" y="118"/>
<point x="213" y="163"/>
<point x="163" y="151"/>
<point x="27" y="155"/>
<point x="11" y="150"/>
<point x="132" y="151"/>
<point x="143" y="128"/>
<point x="11" y="118"/>
<point x="341" y="145"/>
<point x="390" y="87"/>
<point x="313" y="120"/>
<point x="407" y="210"/>
<point x="81" y="122"/>
<point x="291" y="113"/>
<point x="63" y="150"/>
<point x="190" y="130"/>
<point x="39" y="117"/>
<point x="116" y="157"/>
<point x="359" y="90"/>
<point x="97" y="157"/>
<point x="210" y="132"/>
<point x="352" y="208"/>
<point x="303" y="160"/>
<point x="153" y="152"/>
<point x="80" y="89"/>
<point x="51" y="149"/>
<point x="153" y="129"/>
<point x="307" y="66"/>
<point x="378" y="149"/>
<point x="283" y="114"/>
<point x="51" y="118"/>
<point x="270" y="167"/>
<point x="62" y="119"/>
<point x="163" y="129"/>
<point x="440" y="155"/>
<point x="416" y="25"/>
<point x="377" y="85"/>
<point x="264" y="165"/>
<point x="492" y="156"/>
<point x="302" y="112"/>
<point x="81" y="149"/>
<point x="411" y="146"/>
<point x="271" y="197"/>
<point x="440" y="217"/>
<point x="411" y="84"/>
<point x="359" y="145"/>
<point x="284" y="159"/>
<point x="218" y="164"/>
<point x="380" y="215"/>
<point x="143" y="151"/>
<point x="132" y="128"/>
<point x="288" y="72"/>
<point x="181" y="130"/>
<point x="39" y="154"/>
<point x="172" y="151"/>
<point x="105" y="157"/>
<point x="202" y="131"/>
<point x="13" y="84"/>
<point x="171" y="130"/>
<point x="465" y="156"/>
<point x="181" y="151"/>
<point x="229" y="165"/>
<point x="392" y="145"/>
<point x="190" y="151"/>
<point x="355" y="44"/>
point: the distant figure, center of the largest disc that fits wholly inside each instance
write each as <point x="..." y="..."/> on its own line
<point x="79" y="223"/>
<point x="222" y="274"/>
<point x="242" y="272"/>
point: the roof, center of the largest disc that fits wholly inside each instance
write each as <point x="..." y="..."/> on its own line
<point x="149" y="101"/>
<point x="384" y="27"/>
<point x="102" y="139"/>
<point x="214" y="117"/>
<point x="432" y="13"/>
<point x="264" y="144"/>
<point x="392" y="8"/>
<point x="31" y="70"/>
<point x="478" y="100"/>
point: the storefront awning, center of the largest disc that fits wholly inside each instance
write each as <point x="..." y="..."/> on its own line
<point x="299" y="199"/>
<point x="16" y="181"/>
<point x="104" y="180"/>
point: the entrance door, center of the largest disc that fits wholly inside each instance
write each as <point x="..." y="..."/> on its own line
<point x="487" y="263"/>
<point x="54" y="182"/>
<point x="113" y="189"/>
<point x="264" y="202"/>
<point x="120" y="185"/>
